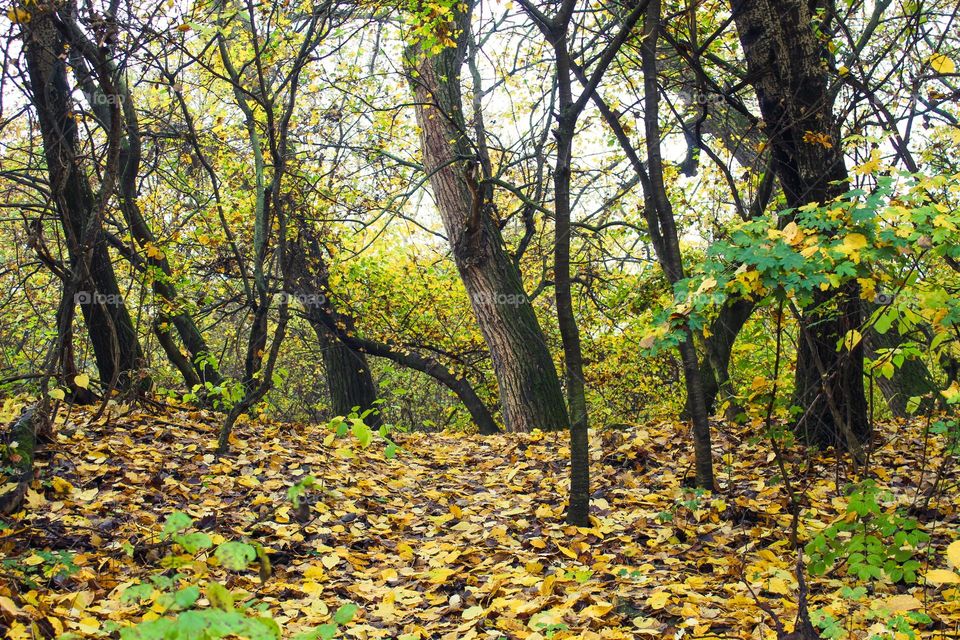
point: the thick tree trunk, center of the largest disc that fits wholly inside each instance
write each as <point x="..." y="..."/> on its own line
<point x="114" y="339"/>
<point x="530" y="391"/>
<point x="784" y="60"/>
<point x="349" y="382"/>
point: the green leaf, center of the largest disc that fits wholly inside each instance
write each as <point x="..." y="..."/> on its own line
<point x="193" y="542"/>
<point x="186" y="597"/>
<point x="176" y="522"/>
<point x="219" y="596"/>
<point x="345" y="613"/>
<point x="235" y="556"/>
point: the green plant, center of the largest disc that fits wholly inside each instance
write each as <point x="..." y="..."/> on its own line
<point x="31" y="567"/>
<point x="176" y="596"/>
<point x="874" y="541"/>
<point x="354" y="423"/>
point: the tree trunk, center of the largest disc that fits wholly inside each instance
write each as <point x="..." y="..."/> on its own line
<point x="530" y="391"/>
<point x="784" y="60"/>
<point x="349" y="382"/>
<point x="715" y="366"/>
<point x="111" y="331"/>
<point x="83" y="51"/>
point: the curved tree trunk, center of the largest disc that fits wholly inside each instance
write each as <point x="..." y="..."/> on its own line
<point x="198" y="369"/>
<point x="530" y="391"/>
<point x="115" y="344"/>
<point x="305" y="277"/>
<point x="784" y="58"/>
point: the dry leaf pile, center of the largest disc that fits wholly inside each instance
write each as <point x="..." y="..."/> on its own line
<point x="456" y="537"/>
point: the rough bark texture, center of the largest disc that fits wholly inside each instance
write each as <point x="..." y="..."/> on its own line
<point x="530" y="391"/>
<point x="114" y="339"/>
<point x="784" y="59"/>
<point x="349" y="382"/>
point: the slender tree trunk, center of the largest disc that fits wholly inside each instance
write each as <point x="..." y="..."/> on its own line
<point x="785" y="63"/>
<point x="715" y="365"/>
<point x="111" y="331"/>
<point x="84" y="51"/>
<point x="530" y="391"/>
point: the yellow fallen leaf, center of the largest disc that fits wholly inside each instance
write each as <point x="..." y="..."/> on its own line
<point x="473" y="612"/>
<point x="658" y="600"/>
<point x="60" y="485"/>
<point x="898" y="604"/>
<point x="439" y="576"/>
<point x="941" y="576"/>
<point x="779" y="586"/>
<point x="953" y="554"/>
<point x="330" y="560"/>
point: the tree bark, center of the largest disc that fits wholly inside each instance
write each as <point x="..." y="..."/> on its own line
<point x="113" y="337"/>
<point x="530" y="391"/>
<point x="349" y="381"/>
<point x="785" y="64"/>
<point x="715" y="365"/>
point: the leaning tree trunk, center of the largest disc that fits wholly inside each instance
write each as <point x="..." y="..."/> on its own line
<point x="530" y="391"/>
<point x="113" y="337"/>
<point x="785" y="63"/>
<point x="88" y="60"/>
<point x="305" y="276"/>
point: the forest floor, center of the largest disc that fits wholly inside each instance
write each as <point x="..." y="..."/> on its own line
<point x="454" y="537"/>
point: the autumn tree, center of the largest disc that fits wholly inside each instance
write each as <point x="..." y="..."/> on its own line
<point x="530" y="393"/>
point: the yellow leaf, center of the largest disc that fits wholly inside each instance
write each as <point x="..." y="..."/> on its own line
<point x="82" y="380"/>
<point x="33" y="560"/>
<point x="89" y="625"/>
<point x="941" y="576"/>
<point x="57" y="394"/>
<point x="60" y="485"/>
<point x="8" y="606"/>
<point x="792" y="234"/>
<point x="473" y="612"/>
<point x="851" y="339"/>
<point x="658" y="600"/>
<point x="942" y="64"/>
<point x="330" y="561"/>
<point x="779" y="586"/>
<point x="439" y="576"/>
<point x="898" y="604"/>
<point x="18" y="16"/>
<point x="953" y="554"/>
